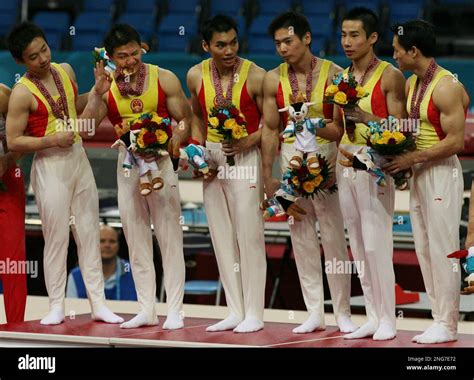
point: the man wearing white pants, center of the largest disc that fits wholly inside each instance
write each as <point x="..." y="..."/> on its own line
<point x="149" y="88"/>
<point x="61" y="175"/>
<point x="232" y="200"/>
<point x="438" y="101"/>
<point x="302" y="70"/>
<point x="368" y="208"/>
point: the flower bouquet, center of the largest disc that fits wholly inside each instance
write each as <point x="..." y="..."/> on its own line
<point x="346" y="93"/>
<point x="308" y="182"/>
<point x="152" y="133"/>
<point x="229" y="122"/>
<point x="392" y="143"/>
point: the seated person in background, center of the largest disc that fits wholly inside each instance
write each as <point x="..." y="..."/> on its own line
<point x="118" y="278"/>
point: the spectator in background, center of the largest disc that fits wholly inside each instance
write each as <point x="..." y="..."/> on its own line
<point x="118" y="280"/>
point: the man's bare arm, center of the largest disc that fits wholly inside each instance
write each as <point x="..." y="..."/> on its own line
<point x="17" y="120"/>
<point x="448" y="98"/>
<point x="198" y="127"/>
<point x="270" y="131"/>
<point x="178" y="107"/>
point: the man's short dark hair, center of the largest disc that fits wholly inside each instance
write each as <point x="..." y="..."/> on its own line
<point x="295" y="20"/>
<point x="370" y="21"/>
<point x="21" y="36"/>
<point x="217" y="24"/>
<point x="419" y="33"/>
<point x="119" y="35"/>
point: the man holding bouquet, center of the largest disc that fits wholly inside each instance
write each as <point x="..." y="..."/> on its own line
<point x="227" y="101"/>
<point x="132" y="90"/>
<point x="436" y="99"/>
<point x="367" y="207"/>
<point x="303" y="72"/>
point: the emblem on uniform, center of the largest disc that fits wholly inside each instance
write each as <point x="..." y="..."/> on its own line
<point x="136" y="105"/>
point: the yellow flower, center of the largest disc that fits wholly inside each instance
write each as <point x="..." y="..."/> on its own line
<point x="237" y="132"/>
<point x="230" y="124"/>
<point x="398" y="136"/>
<point x="332" y="90"/>
<point x="161" y="136"/>
<point x="295" y="180"/>
<point x="360" y="92"/>
<point x="387" y="134"/>
<point x="317" y="180"/>
<point x="340" y="98"/>
<point x="156" y="119"/>
<point x="140" y="142"/>
<point x="315" y="171"/>
<point x="308" y="186"/>
<point x="214" y="121"/>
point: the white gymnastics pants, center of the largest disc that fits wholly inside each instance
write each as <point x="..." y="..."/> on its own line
<point x="66" y="195"/>
<point x="306" y="246"/>
<point x="435" y="207"/>
<point x="368" y="214"/>
<point x="236" y="224"/>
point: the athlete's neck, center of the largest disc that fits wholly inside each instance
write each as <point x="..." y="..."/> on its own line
<point x="303" y="66"/>
<point x="109" y="267"/>
<point x="223" y="71"/>
<point x="43" y="75"/>
<point x="421" y="67"/>
<point x="360" y="65"/>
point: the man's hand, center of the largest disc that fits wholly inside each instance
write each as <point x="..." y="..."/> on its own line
<point x="469" y="240"/>
<point x="173" y="146"/>
<point x="296" y="212"/>
<point x="5" y="163"/>
<point x="398" y="163"/>
<point x="271" y="185"/>
<point x="235" y="147"/>
<point x="103" y="79"/>
<point x="208" y="177"/>
<point x="357" y="115"/>
<point x="63" y="139"/>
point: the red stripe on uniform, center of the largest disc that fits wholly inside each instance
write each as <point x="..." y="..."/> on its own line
<point x="38" y="120"/>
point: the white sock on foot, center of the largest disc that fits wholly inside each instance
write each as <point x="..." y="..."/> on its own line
<point x="385" y="331"/>
<point x="417" y="337"/>
<point x="438" y="334"/>
<point x="173" y="321"/>
<point x="312" y="323"/>
<point x="248" y="325"/>
<point x="345" y="324"/>
<point x="364" y="331"/>
<point x="230" y="323"/>
<point x="55" y="317"/>
<point x="105" y="315"/>
<point x="139" y="320"/>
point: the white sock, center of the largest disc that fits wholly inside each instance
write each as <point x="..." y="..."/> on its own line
<point x="385" y="331"/>
<point x="345" y="324"/>
<point x="138" y="321"/>
<point x="173" y="321"/>
<point x="364" y="331"/>
<point x="105" y="315"/>
<point x="417" y="337"/>
<point x="231" y="322"/>
<point x="248" y="325"/>
<point x="55" y="317"/>
<point x="438" y="334"/>
<point x="312" y="323"/>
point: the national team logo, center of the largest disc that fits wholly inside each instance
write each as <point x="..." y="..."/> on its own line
<point x="136" y="105"/>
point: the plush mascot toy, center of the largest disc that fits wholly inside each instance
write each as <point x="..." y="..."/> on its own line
<point x="302" y="131"/>
<point x="468" y="267"/>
